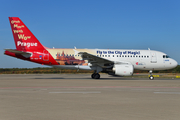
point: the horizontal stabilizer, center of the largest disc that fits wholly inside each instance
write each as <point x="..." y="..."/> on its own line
<point x="25" y="54"/>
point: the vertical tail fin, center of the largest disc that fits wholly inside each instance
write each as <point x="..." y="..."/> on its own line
<point x="23" y="37"/>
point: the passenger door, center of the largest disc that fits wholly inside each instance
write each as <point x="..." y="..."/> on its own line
<point x="153" y="57"/>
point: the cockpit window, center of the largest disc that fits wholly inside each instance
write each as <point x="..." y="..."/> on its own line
<point x="166" y="56"/>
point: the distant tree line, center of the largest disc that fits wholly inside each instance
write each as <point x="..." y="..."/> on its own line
<point x="48" y="70"/>
<point x="39" y="70"/>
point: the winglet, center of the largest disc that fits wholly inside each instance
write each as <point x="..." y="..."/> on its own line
<point x="76" y="52"/>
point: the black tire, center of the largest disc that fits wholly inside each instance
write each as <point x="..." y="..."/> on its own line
<point x="92" y="76"/>
<point x="151" y="77"/>
<point x="96" y="76"/>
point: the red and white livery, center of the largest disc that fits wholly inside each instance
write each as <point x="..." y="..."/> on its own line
<point x="120" y="62"/>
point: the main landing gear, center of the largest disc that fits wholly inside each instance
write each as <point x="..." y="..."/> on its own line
<point x="95" y="76"/>
<point x="151" y="76"/>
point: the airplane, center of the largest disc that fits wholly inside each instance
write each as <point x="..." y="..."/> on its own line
<point x="120" y="62"/>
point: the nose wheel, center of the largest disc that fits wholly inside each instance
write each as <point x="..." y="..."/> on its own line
<point x="95" y="76"/>
<point x="151" y="76"/>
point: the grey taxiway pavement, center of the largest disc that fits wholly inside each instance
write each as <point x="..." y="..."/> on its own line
<point x="78" y="97"/>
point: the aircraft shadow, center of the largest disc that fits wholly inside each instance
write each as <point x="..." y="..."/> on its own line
<point x="88" y="78"/>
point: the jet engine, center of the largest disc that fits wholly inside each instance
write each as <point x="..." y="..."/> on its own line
<point x="123" y="69"/>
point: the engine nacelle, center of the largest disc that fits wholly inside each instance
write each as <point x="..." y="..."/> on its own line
<point x="123" y="69"/>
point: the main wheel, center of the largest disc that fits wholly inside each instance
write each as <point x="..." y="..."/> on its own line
<point x="92" y="76"/>
<point x="96" y="76"/>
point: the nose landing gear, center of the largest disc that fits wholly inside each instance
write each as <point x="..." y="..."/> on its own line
<point x="151" y="76"/>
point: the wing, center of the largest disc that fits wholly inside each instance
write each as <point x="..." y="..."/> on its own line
<point x="94" y="59"/>
<point x="97" y="61"/>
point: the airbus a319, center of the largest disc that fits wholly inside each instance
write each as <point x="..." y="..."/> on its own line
<point x="120" y="62"/>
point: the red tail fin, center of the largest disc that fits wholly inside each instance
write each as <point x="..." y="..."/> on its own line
<point x="23" y="37"/>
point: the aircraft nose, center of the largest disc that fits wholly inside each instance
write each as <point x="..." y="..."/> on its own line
<point x="174" y="63"/>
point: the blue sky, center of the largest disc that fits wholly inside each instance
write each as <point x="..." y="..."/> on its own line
<point x="107" y="24"/>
